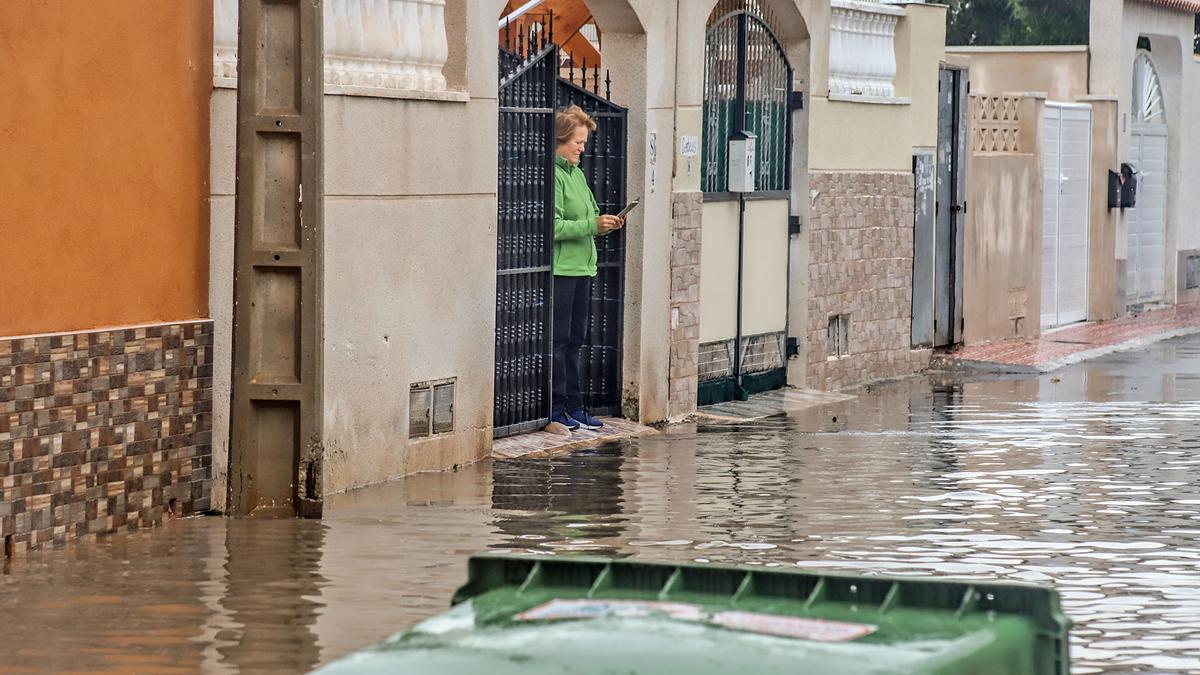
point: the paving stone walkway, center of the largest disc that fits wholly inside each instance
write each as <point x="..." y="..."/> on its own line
<point x="1075" y="343"/>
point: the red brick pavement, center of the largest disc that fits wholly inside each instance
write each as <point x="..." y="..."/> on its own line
<point x="1067" y="342"/>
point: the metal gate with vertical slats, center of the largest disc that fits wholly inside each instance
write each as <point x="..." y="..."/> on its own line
<point x="950" y="207"/>
<point x="1147" y="237"/>
<point x="530" y="90"/>
<point x="1066" y="208"/>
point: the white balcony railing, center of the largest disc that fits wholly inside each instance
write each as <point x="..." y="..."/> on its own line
<point x="385" y="45"/>
<point x="862" y="49"/>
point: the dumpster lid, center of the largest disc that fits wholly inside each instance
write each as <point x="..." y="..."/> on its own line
<point x="532" y="614"/>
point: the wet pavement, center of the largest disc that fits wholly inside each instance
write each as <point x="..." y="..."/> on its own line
<point x="1085" y="479"/>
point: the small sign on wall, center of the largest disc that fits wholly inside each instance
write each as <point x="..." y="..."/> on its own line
<point x="689" y="147"/>
<point x="652" y="151"/>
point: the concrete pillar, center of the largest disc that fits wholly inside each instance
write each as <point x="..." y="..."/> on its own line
<point x="1105" y="48"/>
<point x="1106" y="288"/>
<point x="636" y="35"/>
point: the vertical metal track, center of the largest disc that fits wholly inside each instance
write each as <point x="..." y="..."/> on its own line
<point x="276" y="431"/>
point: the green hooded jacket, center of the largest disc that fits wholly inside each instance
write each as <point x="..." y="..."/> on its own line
<point x="575" y="213"/>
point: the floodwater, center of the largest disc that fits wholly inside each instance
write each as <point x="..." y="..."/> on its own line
<point x="1086" y="479"/>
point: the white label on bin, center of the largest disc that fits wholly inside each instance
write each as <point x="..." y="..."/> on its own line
<point x="593" y="609"/>
<point x="819" y="630"/>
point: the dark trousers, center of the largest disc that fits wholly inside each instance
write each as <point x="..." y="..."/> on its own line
<point x="571" y="309"/>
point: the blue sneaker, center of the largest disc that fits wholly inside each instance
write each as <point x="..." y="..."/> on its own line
<point x="565" y="420"/>
<point x="587" y="421"/>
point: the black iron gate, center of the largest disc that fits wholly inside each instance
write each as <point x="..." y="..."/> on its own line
<point x="531" y="88"/>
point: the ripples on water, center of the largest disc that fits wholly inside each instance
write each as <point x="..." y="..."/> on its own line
<point x="1084" y="480"/>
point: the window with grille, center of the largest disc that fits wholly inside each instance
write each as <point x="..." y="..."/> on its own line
<point x="747" y="86"/>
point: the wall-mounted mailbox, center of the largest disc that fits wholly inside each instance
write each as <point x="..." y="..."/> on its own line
<point x="1129" y="184"/>
<point x="1122" y="187"/>
<point x="742" y="161"/>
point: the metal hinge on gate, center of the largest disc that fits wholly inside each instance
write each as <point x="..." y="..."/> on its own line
<point x="796" y="100"/>
<point x="793" y="225"/>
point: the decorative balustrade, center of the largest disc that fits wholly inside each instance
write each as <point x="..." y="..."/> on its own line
<point x="862" y="50"/>
<point x="225" y="37"/>
<point x="397" y="45"/>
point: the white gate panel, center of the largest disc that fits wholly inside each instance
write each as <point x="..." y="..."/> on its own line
<point x="1050" y="155"/>
<point x="1146" y="273"/>
<point x="1074" y="214"/>
<point x="1067" y="157"/>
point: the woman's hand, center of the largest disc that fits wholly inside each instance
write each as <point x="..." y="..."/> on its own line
<point x="606" y="224"/>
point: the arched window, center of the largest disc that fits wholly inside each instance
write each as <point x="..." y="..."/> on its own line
<point x="747" y="83"/>
<point x="1148" y="105"/>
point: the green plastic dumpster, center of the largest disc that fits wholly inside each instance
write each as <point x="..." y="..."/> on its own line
<point x="533" y="615"/>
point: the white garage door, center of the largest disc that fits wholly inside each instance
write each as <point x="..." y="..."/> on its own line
<point x="1145" y="274"/>
<point x="1066" y="213"/>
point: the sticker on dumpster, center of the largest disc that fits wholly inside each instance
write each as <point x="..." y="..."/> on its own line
<point x="593" y="609"/>
<point x="818" y="630"/>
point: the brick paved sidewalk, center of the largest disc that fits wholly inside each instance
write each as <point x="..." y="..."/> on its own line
<point x="1077" y="343"/>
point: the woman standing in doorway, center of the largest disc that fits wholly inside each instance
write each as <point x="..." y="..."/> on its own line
<point x="577" y="222"/>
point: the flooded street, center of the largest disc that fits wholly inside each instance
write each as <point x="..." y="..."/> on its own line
<point x="1085" y="479"/>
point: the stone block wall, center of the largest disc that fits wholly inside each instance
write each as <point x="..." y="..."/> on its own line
<point x="102" y="431"/>
<point x="860" y="266"/>
<point x="686" y="218"/>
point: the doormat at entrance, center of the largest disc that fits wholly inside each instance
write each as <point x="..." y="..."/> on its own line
<point x="542" y="444"/>
<point x="769" y="404"/>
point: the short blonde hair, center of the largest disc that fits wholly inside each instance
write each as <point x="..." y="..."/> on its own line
<point x="570" y="119"/>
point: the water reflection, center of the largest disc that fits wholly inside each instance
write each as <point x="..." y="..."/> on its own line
<point x="271" y="595"/>
<point x="568" y="503"/>
<point x="1084" y="479"/>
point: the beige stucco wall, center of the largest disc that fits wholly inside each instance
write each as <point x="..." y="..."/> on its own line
<point x="1002" y="249"/>
<point x="880" y="136"/>
<point x="1059" y="72"/>
<point x="410" y="259"/>
<point x="1003" y="240"/>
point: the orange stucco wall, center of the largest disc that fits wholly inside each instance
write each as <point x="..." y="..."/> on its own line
<point x="104" y="136"/>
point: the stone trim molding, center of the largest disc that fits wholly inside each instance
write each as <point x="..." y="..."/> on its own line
<point x="687" y="209"/>
<point x="103" y="431"/>
<point x="385" y="48"/>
